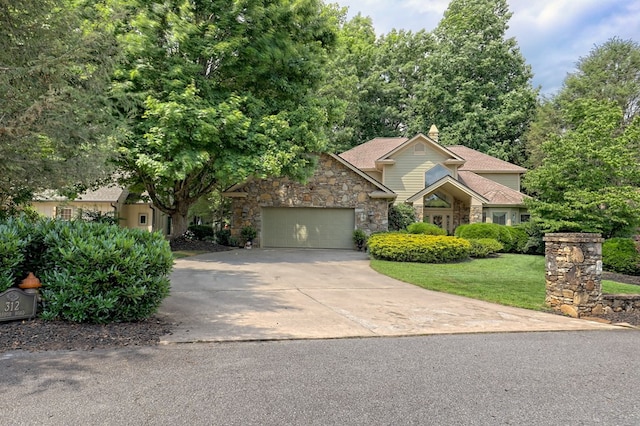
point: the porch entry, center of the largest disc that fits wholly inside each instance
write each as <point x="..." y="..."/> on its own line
<point x="439" y="217"/>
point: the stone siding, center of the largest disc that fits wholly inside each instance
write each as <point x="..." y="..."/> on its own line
<point x="333" y="185"/>
<point x="621" y="302"/>
<point x="574" y="273"/>
<point x="475" y="214"/>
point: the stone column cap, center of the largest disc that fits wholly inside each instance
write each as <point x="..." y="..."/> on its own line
<point x="574" y="237"/>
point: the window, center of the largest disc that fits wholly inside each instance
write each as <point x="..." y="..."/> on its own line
<point x="434" y="174"/>
<point x="500" y="218"/>
<point x="437" y="200"/>
<point x="525" y="217"/>
<point x="65" y="213"/>
<point x="142" y="219"/>
<point x="419" y="149"/>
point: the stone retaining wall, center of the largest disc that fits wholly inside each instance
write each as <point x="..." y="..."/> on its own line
<point x="621" y="302"/>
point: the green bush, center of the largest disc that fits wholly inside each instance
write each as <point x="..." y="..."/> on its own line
<point x="201" y="232"/>
<point x="621" y="255"/>
<point x="425" y="228"/>
<point x="91" y="272"/>
<point x="484" y="247"/>
<point x="223" y="237"/>
<point x="11" y="254"/>
<point x="475" y="231"/>
<point x="418" y="248"/>
<point x="401" y="216"/>
<point x="248" y="233"/>
<point x="519" y="238"/>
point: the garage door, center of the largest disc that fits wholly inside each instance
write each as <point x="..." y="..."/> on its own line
<point x="308" y="227"/>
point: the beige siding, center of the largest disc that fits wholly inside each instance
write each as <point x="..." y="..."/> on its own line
<point x="131" y="216"/>
<point x="376" y="175"/>
<point x="510" y="180"/>
<point x="406" y="176"/>
<point x="49" y="208"/>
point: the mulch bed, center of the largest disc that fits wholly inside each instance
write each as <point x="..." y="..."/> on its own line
<point x="39" y="335"/>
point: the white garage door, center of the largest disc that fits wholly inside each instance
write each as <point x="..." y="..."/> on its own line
<point x="308" y="227"/>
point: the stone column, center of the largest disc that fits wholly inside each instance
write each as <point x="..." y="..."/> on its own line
<point x="574" y="273"/>
<point x="475" y="214"/>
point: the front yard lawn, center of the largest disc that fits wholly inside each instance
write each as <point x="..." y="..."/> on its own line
<point x="510" y="279"/>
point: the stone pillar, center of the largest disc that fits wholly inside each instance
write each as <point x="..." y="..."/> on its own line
<point x="475" y="214"/>
<point x="574" y="273"/>
<point x="419" y="209"/>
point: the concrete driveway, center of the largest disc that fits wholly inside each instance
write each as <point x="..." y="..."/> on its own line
<point x="269" y="294"/>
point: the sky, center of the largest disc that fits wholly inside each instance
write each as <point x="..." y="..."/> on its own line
<point x="552" y="34"/>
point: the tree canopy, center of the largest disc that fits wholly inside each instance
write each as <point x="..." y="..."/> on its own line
<point x="55" y="69"/>
<point x="219" y="91"/>
<point x="589" y="179"/>
<point x="478" y="86"/>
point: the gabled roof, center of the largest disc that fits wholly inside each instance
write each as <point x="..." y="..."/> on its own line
<point x="495" y="193"/>
<point x="448" y="181"/>
<point x="433" y="144"/>
<point x="364" y="156"/>
<point x="476" y="161"/>
<point x="106" y="194"/>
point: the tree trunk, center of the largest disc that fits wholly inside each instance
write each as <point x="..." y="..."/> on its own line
<point x="178" y="224"/>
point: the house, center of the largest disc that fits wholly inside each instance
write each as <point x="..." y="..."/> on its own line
<point x="111" y="200"/>
<point x="447" y="186"/>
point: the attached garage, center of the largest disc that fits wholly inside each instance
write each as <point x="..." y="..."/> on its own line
<point x="299" y="227"/>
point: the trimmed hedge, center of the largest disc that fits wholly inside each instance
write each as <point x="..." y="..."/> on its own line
<point x="501" y="233"/>
<point x="484" y="247"/>
<point x="621" y="255"/>
<point x="425" y="228"/>
<point x="92" y="272"/>
<point x="418" y="248"/>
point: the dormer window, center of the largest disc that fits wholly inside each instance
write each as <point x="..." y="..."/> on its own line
<point x="419" y="149"/>
<point x="434" y="174"/>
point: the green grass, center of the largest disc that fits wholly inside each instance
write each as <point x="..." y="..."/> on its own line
<point x="510" y="279"/>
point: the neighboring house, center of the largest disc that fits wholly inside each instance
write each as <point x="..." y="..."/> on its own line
<point x="129" y="209"/>
<point x="447" y="186"/>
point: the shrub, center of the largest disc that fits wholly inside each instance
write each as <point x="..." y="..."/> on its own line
<point x="519" y="238"/>
<point x="494" y="231"/>
<point x="621" y="255"/>
<point x="104" y="273"/>
<point x="359" y="238"/>
<point x="248" y="233"/>
<point x="484" y="247"/>
<point x="401" y="216"/>
<point x="418" y="248"/>
<point x="201" y="232"/>
<point x="11" y="254"/>
<point x="223" y="237"/>
<point x="425" y="228"/>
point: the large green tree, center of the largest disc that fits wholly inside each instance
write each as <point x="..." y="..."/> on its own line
<point x="610" y="73"/>
<point x="589" y="179"/>
<point x="219" y="90"/>
<point x="478" y="87"/>
<point x="55" y="66"/>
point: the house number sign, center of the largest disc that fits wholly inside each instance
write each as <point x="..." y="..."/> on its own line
<point x="17" y="304"/>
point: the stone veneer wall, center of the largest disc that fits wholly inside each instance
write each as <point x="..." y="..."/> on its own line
<point x="475" y="214"/>
<point x="332" y="185"/>
<point x="574" y="273"/>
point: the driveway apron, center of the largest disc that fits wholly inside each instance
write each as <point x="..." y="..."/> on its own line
<point x="272" y="294"/>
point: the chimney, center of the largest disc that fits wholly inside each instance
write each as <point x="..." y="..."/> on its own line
<point x="433" y="132"/>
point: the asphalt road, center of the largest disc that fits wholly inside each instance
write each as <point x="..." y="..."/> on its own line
<point x="582" y="377"/>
